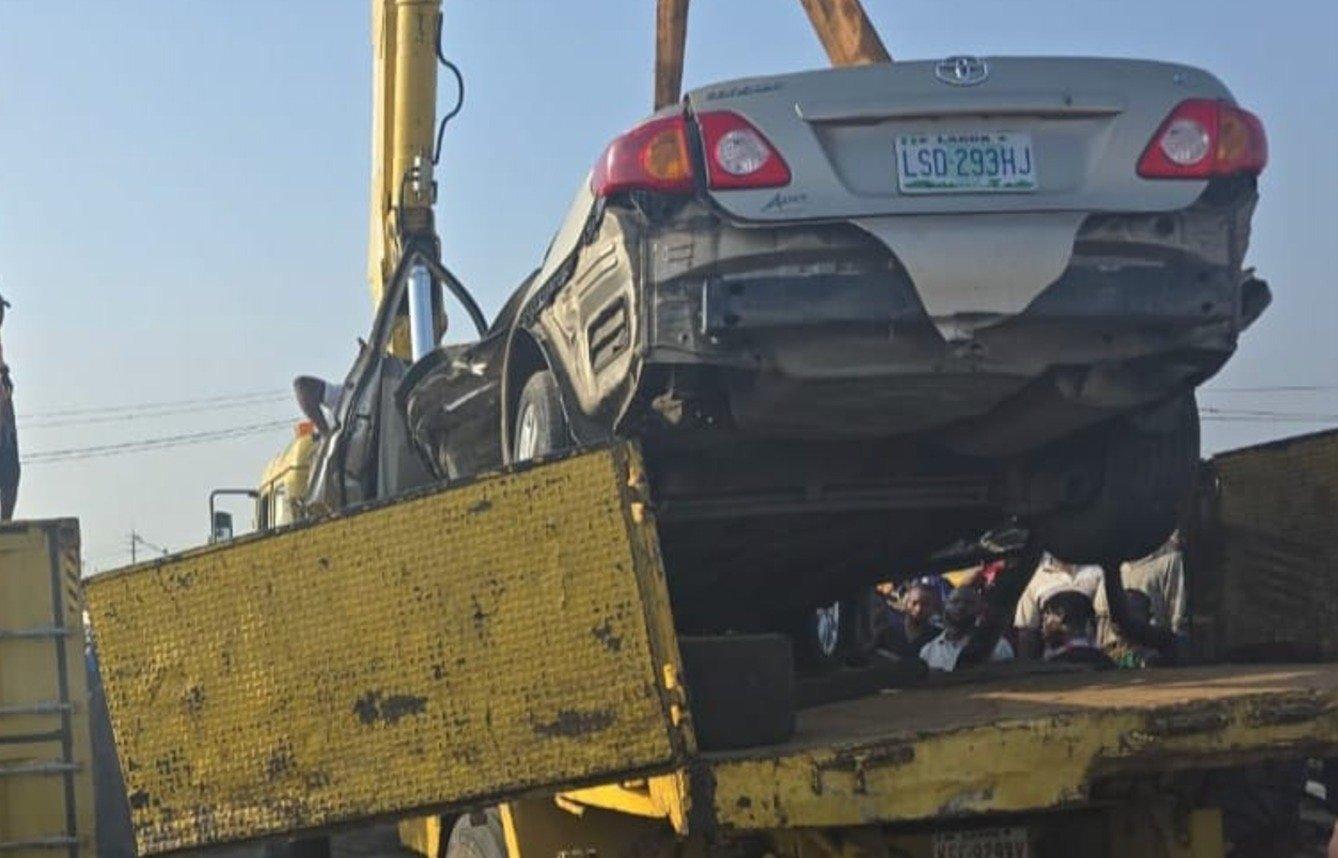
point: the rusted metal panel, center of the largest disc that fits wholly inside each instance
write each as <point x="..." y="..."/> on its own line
<point x="46" y="777"/>
<point x="472" y="643"/>
<point x="1010" y="745"/>
<point x="1264" y="556"/>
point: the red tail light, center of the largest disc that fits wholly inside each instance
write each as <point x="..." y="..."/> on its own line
<point x="652" y="156"/>
<point x="1204" y="138"/>
<point x="738" y="155"/>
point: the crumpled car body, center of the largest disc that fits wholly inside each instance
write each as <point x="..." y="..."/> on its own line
<point x="834" y="374"/>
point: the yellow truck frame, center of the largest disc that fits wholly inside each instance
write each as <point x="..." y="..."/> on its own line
<point x="46" y="769"/>
<point x="508" y="643"/>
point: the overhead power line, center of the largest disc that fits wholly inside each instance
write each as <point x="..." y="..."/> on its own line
<point x="198" y="408"/>
<point x="158" y="406"/>
<point x="145" y="444"/>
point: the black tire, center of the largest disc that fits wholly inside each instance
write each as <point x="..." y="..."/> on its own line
<point x="477" y="835"/>
<point x="541" y="424"/>
<point x="1147" y="470"/>
<point x="741" y="689"/>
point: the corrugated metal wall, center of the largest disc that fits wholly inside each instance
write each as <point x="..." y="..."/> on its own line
<point x="1264" y="551"/>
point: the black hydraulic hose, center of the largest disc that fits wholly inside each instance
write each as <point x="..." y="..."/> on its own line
<point x="1130" y="629"/>
<point x="442" y="273"/>
<point x="459" y="98"/>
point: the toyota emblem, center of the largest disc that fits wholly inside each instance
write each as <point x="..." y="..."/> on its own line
<point x="962" y="71"/>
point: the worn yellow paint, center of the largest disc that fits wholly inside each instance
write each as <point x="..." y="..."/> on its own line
<point x="657" y="797"/>
<point x="34" y="802"/>
<point x="1034" y="747"/>
<point x="404" y="101"/>
<point x="539" y="827"/>
<point x="423" y="835"/>
<point x="484" y="640"/>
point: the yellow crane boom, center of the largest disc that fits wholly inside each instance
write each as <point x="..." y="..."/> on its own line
<point x="405" y="35"/>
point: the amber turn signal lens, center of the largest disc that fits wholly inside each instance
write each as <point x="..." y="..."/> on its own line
<point x="665" y="156"/>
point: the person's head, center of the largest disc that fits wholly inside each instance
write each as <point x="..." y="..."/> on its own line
<point x="886" y="589"/>
<point x="921" y="603"/>
<point x="962" y="610"/>
<point x="1140" y="606"/>
<point x="1066" y="615"/>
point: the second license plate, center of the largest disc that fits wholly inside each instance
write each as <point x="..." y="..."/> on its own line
<point x="967" y="162"/>
<point x="983" y="843"/>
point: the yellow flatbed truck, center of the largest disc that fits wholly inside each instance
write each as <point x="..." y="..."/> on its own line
<point x="500" y="655"/>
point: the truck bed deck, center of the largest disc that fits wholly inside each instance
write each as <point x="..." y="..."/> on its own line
<point x="1013" y="742"/>
<point x="511" y="637"/>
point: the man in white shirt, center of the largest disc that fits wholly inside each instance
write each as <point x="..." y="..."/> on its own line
<point x="960" y="615"/>
<point x="1052" y="576"/>
<point x="1161" y="575"/>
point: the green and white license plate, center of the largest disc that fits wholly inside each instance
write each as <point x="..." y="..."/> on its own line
<point x="983" y="843"/>
<point x="966" y="162"/>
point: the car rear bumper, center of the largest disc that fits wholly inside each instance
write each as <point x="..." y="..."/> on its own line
<point x="1148" y="307"/>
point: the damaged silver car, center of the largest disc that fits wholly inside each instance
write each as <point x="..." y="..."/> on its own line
<point x="853" y="315"/>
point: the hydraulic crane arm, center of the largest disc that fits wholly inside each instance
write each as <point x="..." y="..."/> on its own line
<point x="404" y="122"/>
<point x="405" y="46"/>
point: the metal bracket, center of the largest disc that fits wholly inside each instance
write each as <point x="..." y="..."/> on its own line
<point x="39" y="632"/>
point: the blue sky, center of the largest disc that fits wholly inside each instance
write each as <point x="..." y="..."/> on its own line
<point x="183" y="189"/>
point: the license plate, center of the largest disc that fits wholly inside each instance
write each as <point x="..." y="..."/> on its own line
<point x="983" y="843"/>
<point x="974" y="162"/>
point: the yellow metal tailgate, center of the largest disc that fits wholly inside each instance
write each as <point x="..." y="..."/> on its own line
<point x="475" y="642"/>
<point x="46" y="776"/>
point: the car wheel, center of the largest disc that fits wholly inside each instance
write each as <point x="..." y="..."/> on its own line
<point x="1147" y="469"/>
<point x="477" y="835"/>
<point x="540" y="424"/>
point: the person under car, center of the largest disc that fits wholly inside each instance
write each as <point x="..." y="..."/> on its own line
<point x="961" y="613"/>
<point x="1131" y="655"/>
<point x="906" y="631"/>
<point x="1068" y="630"/>
<point x="1159" y="578"/>
<point x="1052" y="575"/>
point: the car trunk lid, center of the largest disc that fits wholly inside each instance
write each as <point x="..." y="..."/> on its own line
<point x="1081" y="124"/>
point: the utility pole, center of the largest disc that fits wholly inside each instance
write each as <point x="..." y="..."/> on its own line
<point x="136" y="540"/>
